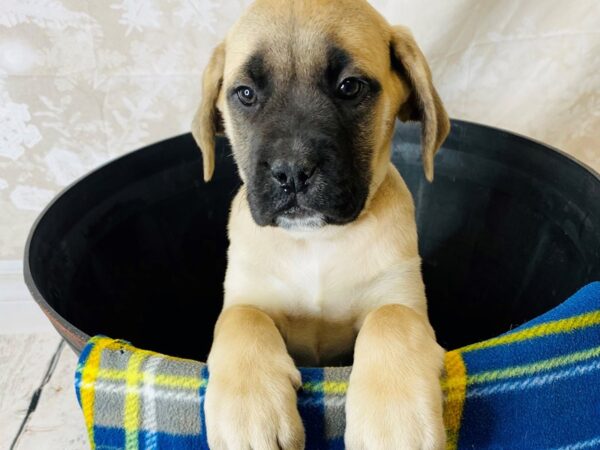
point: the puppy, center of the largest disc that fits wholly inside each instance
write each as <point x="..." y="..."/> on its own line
<point x="323" y="256"/>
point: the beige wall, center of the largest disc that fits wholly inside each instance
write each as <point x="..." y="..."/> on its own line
<point x="84" y="81"/>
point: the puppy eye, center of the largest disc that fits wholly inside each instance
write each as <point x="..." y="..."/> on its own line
<point x="246" y="95"/>
<point x="350" y="88"/>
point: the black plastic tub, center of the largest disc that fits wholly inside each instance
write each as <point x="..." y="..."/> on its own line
<point x="137" y="249"/>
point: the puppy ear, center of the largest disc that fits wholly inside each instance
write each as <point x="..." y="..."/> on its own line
<point x="424" y="103"/>
<point x="207" y="122"/>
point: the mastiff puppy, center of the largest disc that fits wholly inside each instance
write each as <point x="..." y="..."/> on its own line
<point x="323" y="263"/>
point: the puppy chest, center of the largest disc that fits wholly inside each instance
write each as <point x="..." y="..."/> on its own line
<point x="314" y="283"/>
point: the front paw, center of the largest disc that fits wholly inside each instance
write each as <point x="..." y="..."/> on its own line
<point x="385" y="412"/>
<point x="254" y="408"/>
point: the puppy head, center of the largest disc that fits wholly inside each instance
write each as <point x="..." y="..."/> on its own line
<point x="307" y="92"/>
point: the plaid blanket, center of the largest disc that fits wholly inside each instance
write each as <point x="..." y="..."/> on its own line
<point x="537" y="386"/>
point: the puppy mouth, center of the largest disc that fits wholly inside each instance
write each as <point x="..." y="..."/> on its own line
<point x="298" y="218"/>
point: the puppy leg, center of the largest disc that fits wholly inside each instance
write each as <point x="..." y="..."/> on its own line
<point x="394" y="397"/>
<point x="251" y="393"/>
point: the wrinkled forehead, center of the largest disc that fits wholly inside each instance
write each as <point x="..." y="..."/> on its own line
<point x="300" y="38"/>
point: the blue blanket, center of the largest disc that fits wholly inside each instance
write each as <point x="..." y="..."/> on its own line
<point x="535" y="387"/>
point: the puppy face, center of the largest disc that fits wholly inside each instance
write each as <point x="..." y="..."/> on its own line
<point x="308" y="92"/>
<point x="303" y="136"/>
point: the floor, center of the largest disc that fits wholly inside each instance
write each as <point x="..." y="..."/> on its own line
<point x="38" y="407"/>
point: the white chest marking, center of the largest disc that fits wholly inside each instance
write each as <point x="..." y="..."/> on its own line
<point x="306" y="274"/>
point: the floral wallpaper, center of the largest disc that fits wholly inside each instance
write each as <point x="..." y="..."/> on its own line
<point x="82" y="82"/>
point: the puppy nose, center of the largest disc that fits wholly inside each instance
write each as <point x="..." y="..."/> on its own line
<point x="292" y="176"/>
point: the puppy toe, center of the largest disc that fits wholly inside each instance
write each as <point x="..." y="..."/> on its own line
<point x="291" y="431"/>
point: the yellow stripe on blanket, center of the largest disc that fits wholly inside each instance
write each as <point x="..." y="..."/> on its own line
<point x="163" y="380"/>
<point x="525" y="369"/>
<point x="326" y="387"/>
<point x="545" y="329"/>
<point x="132" y="399"/>
<point x="455" y="387"/>
<point x="537" y="367"/>
<point x="87" y="393"/>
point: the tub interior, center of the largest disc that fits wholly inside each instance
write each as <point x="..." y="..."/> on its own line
<point x="137" y="249"/>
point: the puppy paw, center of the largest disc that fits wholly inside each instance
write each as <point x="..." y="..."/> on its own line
<point x="394" y="416"/>
<point x="254" y="407"/>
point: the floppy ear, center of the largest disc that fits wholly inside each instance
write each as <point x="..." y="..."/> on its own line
<point x="207" y="122"/>
<point x="424" y="103"/>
